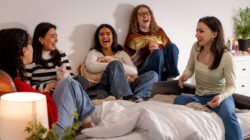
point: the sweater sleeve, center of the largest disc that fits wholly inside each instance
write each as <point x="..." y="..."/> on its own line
<point x="29" y="77"/>
<point x="66" y="63"/>
<point x="128" y="65"/>
<point x="229" y="73"/>
<point x="189" y="70"/>
<point x="92" y="64"/>
<point x="51" y="106"/>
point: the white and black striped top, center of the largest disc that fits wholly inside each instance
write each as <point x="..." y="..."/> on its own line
<point x="38" y="76"/>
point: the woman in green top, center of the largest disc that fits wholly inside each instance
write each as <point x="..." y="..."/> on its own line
<point x="214" y="70"/>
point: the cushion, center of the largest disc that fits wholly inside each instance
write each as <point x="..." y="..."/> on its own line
<point x="93" y="78"/>
<point x="172" y="88"/>
<point x="6" y="83"/>
<point x="241" y="101"/>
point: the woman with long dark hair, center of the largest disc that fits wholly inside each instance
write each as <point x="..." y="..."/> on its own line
<point x="120" y="77"/>
<point x="49" y="63"/>
<point x="214" y="69"/>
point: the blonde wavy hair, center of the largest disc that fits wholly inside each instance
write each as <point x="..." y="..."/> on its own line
<point x="134" y="26"/>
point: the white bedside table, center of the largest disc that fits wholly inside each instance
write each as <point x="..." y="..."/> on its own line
<point x="242" y="74"/>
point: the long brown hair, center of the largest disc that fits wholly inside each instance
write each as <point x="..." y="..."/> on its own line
<point x="134" y="26"/>
<point x="218" y="45"/>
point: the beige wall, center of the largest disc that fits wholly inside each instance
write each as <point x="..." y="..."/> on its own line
<point x="78" y="19"/>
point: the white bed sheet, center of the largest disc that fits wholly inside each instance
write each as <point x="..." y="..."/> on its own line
<point x="135" y="135"/>
<point x="118" y="120"/>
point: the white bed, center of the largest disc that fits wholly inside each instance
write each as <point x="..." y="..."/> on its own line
<point x="155" y="120"/>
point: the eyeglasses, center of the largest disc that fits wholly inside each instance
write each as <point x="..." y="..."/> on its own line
<point x="147" y="13"/>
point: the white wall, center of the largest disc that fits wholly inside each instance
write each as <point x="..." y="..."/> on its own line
<point x="77" y="19"/>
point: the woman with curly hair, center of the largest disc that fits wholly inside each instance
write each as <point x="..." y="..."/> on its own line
<point x="15" y="46"/>
<point x="149" y="46"/>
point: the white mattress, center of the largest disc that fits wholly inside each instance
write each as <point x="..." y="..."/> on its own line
<point x="135" y="135"/>
<point x="122" y="120"/>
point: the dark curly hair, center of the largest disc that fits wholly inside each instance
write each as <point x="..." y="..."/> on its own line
<point x="12" y="42"/>
<point x="40" y="31"/>
<point x="115" y="46"/>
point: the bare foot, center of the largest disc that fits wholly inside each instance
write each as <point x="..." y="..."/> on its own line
<point x="87" y="123"/>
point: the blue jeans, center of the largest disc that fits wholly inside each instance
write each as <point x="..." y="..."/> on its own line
<point x="226" y="110"/>
<point x="142" y="86"/>
<point x="115" y="83"/>
<point x="171" y="53"/>
<point x="160" y="59"/>
<point x="69" y="97"/>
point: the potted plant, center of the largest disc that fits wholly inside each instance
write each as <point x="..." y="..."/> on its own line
<point x="242" y="28"/>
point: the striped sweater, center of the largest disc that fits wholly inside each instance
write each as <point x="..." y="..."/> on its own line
<point x="39" y="76"/>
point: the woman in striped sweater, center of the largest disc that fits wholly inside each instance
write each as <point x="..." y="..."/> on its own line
<point x="43" y="72"/>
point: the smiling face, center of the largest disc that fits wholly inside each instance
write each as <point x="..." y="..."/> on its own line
<point x="143" y="18"/>
<point x="204" y="34"/>
<point x="49" y="40"/>
<point x="106" y="38"/>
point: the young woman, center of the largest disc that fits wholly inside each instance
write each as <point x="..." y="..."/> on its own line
<point x="149" y="46"/>
<point x="119" y="77"/>
<point x="214" y="70"/>
<point x="48" y="61"/>
<point x="15" y="46"/>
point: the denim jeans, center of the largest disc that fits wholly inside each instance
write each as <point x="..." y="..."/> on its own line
<point x="142" y="86"/>
<point x="171" y="53"/>
<point x="115" y="83"/>
<point x="226" y="110"/>
<point x="69" y="97"/>
<point x="160" y="59"/>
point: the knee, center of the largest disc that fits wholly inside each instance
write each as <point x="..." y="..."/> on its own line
<point x="115" y="64"/>
<point x="153" y="75"/>
<point x="173" y="48"/>
<point x="179" y="100"/>
<point x="156" y="57"/>
<point x="157" y="53"/>
<point x="67" y="82"/>
<point x="226" y="114"/>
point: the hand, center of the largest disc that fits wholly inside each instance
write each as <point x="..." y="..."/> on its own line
<point x="182" y="79"/>
<point x="62" y="72"/>
<point x="50" y="86"/>
<point x="131" y="78"/>
<point x="214" y="102"/>
<point x="106" y="59"/>
<point x="153" y="46"/>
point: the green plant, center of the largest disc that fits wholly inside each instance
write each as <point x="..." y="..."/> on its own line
<point x="242" y="23"/>
<point x="37" y="131"/>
